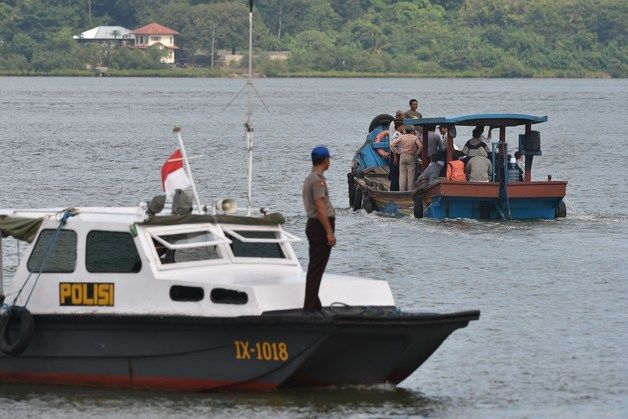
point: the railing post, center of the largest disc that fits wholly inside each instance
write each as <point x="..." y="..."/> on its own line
<point x="528" y="158"/>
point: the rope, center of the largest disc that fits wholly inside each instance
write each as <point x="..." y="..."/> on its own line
<point x="47" y="253"/>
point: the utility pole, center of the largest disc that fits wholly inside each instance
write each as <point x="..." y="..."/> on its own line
<point x="213" y="44"/>
<point x="89" y="10"/>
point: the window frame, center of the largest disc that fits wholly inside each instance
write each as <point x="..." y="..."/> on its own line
<point x="139" y="256"/>
<point x="283" y="241"/>
<point x="53" y="230"/>
<point x="153" y="233"/>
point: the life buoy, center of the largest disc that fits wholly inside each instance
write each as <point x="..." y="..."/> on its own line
<point x="25" y="334"/>
<point x="378" y="139"/>
<point x="418" y="206"/>
<point x="357" y="199"/>
<point x="380" y="120"/>
<point x="367" y="204"/>
<point x="351" y="184"/>
<point x="561" y="211"/>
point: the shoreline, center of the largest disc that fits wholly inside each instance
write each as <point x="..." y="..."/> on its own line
<point x="223" y="73"/>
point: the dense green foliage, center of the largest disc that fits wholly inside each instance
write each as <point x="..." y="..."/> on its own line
<point x="502" y="38"/>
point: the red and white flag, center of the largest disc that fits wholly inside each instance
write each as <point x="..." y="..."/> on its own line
<point x="173" y="174"/>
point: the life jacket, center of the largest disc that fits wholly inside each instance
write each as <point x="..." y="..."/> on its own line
<point x="455" y="171"/>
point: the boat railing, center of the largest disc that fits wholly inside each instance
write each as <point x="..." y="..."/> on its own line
<point x="284" y="237"/>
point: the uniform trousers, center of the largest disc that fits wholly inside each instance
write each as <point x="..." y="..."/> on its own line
<point x="319" y="255"/>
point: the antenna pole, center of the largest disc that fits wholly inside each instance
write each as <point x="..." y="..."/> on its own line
<point x="177" y="130"/>
<point x="248" y="136"/>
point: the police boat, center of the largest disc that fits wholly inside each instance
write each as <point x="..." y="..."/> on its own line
<point x="136" y="298"/>
<point x="506" y="196"/>
<point x="193" y="299"/>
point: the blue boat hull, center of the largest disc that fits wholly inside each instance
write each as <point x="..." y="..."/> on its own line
<point x="488" y="209"/>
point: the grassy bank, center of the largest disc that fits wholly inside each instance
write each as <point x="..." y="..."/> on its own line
<point x="210" y="73"/>
<point x="161" y="72"/>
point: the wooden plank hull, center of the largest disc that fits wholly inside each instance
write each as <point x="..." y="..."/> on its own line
<point x="475" y="200"/>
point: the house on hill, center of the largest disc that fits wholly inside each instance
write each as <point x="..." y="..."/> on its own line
<point x="118" y="35"/>
<point x="157" y="35"/>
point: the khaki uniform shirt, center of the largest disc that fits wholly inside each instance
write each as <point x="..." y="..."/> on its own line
<point x="314" y="187"/>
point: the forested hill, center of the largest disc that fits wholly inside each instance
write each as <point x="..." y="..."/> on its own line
<point x="501" y="38"/>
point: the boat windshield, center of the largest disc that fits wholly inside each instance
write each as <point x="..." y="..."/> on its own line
<point x="267" y="247"/>
<point x="189" y="246"/>
<point x="176" y="246"/>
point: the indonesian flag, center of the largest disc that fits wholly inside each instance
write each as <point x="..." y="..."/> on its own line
<point x="173" y="175"/>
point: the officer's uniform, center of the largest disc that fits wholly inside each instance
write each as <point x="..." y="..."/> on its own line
<point x="315" y="187"/>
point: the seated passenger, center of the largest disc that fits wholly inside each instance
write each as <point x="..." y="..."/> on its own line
<point x="455" y="170"/>
<point x="479" y="168"/>
<point x="472" y="146"/>
<point x="515" y="174"/>
<point x="432" y="171"/>
<point x="519" y="160"/>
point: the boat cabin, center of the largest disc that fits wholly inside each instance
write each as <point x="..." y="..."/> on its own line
<point x="123" y="261"/>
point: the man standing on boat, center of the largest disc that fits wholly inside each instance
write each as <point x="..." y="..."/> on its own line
<point x="320" y="225"/>
<point x="413" y="112"/>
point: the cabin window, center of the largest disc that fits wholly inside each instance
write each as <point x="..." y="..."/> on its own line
<point x="57" y="257"/>
<point x="183" y="293"/>
<point x="111" y="252"/>
<point x="225" y="296"/>
<point x="155" y="38"/>
<point x="187" y="247"/>
<point x="256" y="249"/>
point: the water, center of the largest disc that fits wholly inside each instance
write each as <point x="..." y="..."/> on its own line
<point x="553" y="334"/>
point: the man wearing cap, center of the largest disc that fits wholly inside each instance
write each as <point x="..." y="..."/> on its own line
<point x="320" y="225"/>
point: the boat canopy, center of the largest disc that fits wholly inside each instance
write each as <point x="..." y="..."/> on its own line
<point x="166" y="220"/>
<point x="24" y="229"/>
<point x="486" y="119"/>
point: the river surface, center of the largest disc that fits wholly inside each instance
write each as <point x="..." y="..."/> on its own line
<point x="553" y="337"/>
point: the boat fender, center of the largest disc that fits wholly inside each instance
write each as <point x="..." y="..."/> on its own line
<point x="351" y="184"/>
<point x="367" y="203"/>
<point x="381" y="120"/>
<point x="418" y="206"/>
<point x="378" y="139"/>
<point x="357" y="199"/>
<point x="25" y="319"/>
<point x="561" y="211"/>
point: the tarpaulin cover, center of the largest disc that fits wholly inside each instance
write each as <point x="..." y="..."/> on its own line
<point x="167" y="220"/>
<point x="24" y="229"/>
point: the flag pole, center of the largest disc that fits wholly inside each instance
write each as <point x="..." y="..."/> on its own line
<point x="177" y="130"/>
<point x="248" y="136"/>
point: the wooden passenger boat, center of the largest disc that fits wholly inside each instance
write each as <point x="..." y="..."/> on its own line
<point x="369" y="184"/>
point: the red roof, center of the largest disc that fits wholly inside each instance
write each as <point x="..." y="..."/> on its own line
<point x="154" y="29"/>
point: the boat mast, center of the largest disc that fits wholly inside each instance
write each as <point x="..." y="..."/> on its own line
<point x="248" y="126"/>
<point x="186" y="164"/>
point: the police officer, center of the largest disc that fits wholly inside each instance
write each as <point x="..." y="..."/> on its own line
<point x="320" y="225"/>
